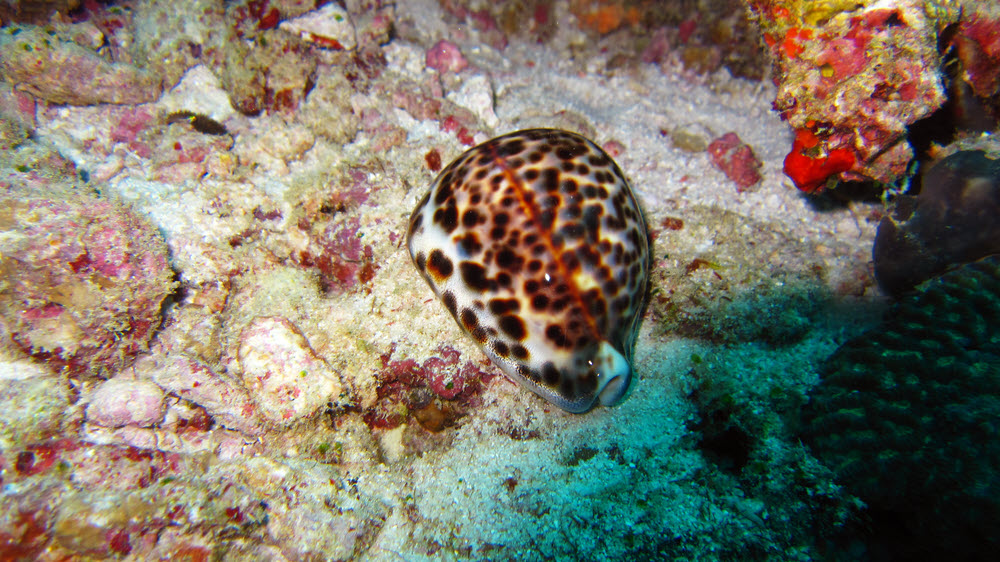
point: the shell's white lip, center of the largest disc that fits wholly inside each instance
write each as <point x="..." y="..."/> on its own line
<point x="614" y="382"/>
<point x="617" y="377"/>
<point x="615" y="390"/>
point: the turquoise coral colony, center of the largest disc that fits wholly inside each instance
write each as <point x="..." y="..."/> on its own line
<point x="536" y="245"/>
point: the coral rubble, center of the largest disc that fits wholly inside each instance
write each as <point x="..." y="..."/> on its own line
<point x="213" y="344"/>
<point x="284" y="376"/>
<point x="736" y="159"/>
<point x="59" y="70"/>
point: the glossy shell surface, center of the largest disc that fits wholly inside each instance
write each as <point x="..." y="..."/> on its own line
<point x="537" y="247"/>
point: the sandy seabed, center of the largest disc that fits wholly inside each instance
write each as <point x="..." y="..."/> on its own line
<point x="307" y="398"/>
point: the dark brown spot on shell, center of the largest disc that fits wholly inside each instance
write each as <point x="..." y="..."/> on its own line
<point x="470" y="218"/>
<point x="510" y="148"/>
<point x="474" y="276"/>
<point x="513" y="326"/>
<point x="570" y="152"/>
<point x="527" y="372"/>
<point x="500" y="307"/>
<point x="550" y="374"/>
<point x="471" y="324"/>
<point x="566" y="387"/>
<point x="550" y="179"/>
<point x="447" y="218"/>
<point x="439" y="266"/>
<point x="449" y="302"/>
<point x="444" y="191"/>
<point x="509" y="260"/>
<point x="497" y="233"/>
<point x="469" y="244"/>
<point x="556" y="335"/>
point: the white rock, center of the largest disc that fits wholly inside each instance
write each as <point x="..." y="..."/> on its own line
<point x="329" y="27"/>
<point x="476" y="95"/>
<point x="201" y="92"/>
<point x="391" y="443"/>
<point x="119" y="402"/>
<point x="285" y="378"/>
<point x="16" y="368"/>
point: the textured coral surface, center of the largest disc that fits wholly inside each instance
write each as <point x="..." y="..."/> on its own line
<point x="906" y="415"/>
<point x="84" y="279"/>
<point x="214" y="344"/>
<point x="851" y="77"/>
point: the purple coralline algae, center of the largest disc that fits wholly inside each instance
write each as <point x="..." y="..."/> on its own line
<point x="445" y="56"/>
<point x="735" y="159"/>
<point x="84" y="278"/>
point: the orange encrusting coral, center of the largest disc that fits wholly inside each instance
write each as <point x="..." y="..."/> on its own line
<point x="810" y="172"/>
<point x="606" y="16"/>
<point x="792" y="45"/>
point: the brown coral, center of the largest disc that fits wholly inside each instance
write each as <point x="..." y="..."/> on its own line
<point x="952" y="221"/>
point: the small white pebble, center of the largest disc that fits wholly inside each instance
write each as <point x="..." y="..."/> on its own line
<point x="329" y="26"/>
<point x="476" y="95"/>
<point x="120" y="402"/>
